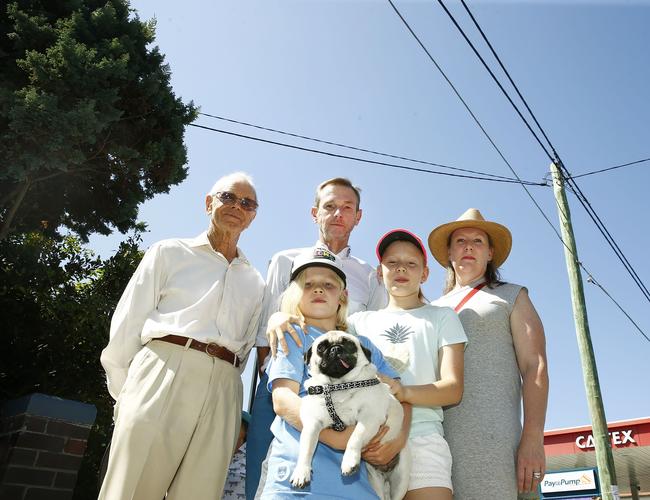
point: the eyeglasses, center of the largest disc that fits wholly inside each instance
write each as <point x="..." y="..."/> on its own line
<point x="228" y="198"/>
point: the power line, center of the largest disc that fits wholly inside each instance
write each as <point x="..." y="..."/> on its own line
<point x="453" y="87"/>
<point x="593" y="281"/>
<point x="610" y="168"/>
<point x="505" y="93"/>
<point x="460" y="97"/>
<point x="514" y="85"/>
<point x="604" y="231"/>
<point x="523" y="100"/>
<point x="539" y="208"/>
<point x="355" y="148"/>
<point x="365" y="160"/>
<point x="476" y="120"/>
<point x="556" y="158"/>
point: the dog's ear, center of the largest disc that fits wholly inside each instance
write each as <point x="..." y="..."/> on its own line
<point x="368" y="354"/>
<point x="308" y="356"/>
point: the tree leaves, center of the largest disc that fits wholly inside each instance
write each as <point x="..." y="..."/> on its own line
<point x="56" y="302"/>
<point x="89" y="125"/>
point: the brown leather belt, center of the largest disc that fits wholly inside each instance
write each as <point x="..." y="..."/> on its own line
<point x="211" y="349"/>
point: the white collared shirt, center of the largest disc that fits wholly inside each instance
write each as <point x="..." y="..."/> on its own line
<point x="365" y="292"/>
<point x="184" y="287"/>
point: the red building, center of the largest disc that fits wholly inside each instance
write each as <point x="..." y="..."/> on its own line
<point x="574" y="448"/>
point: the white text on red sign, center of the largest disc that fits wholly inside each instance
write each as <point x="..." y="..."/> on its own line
<point x="618" y="438"/>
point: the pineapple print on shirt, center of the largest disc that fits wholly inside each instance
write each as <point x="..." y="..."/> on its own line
<point x="396" y="346"/>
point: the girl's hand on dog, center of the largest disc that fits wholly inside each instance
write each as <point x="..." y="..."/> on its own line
<point x="396" y="387"/>
<point x="383" y="453"/>
<point x="375" y="442"/>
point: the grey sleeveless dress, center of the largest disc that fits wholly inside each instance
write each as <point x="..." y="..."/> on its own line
<point x="483" y="431"/>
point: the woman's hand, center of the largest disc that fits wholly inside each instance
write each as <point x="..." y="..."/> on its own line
<point x="279" y="323"/>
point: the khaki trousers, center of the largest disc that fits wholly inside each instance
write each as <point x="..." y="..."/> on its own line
<point x="177" y="420"/>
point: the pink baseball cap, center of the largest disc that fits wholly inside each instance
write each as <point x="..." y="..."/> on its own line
<point x="399" y="235"/>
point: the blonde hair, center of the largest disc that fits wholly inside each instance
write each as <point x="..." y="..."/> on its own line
<point x="292" y="296"/>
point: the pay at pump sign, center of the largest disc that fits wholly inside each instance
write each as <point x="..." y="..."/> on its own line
<point x="560" y="483"/>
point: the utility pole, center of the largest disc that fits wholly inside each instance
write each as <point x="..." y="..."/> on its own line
<point x="604" y="458"/>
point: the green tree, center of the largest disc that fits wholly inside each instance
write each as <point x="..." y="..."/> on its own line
<point x="57" y="299"/>
<point x="89" y="125"/>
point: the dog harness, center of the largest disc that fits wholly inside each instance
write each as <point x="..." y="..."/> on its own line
<point x="327" y="389"/>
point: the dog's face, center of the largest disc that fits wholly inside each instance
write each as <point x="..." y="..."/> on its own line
<point x="336" y="354"/>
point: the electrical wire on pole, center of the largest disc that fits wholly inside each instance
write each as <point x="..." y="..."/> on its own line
<point x="366" y="160"/>
<point x="353" y="148"/>
<point x="553" y="154"/>
<point x="610" y="168"/>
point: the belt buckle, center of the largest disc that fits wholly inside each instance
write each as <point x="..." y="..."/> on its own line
<point x="315" y="390"/>
<point x="212" y="349"/>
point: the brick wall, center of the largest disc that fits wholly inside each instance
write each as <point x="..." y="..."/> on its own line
<point x="42" y="443"/>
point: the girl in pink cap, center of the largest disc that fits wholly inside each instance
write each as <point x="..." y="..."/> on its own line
<point x="425" y="345"/>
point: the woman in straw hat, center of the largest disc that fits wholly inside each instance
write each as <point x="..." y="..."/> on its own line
<point x="493" y="456"/>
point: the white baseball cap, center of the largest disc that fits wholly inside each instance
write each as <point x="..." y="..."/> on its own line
<point x="317" y="257"/>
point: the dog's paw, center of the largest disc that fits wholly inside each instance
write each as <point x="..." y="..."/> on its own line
<point x="350" y="463"/>
<point x="301" y="477"/>
<point x="348" y="471"/>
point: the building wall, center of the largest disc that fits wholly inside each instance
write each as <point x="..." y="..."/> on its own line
<point x="42" y="443"/>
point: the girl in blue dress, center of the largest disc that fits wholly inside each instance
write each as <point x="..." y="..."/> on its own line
<point x="317" y="294"/>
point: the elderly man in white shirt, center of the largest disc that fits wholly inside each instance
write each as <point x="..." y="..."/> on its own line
<point x="336" y="212"/>
<point x="179" y="339"/>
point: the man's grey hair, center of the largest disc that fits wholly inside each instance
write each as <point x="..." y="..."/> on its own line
<point x="232" y="178"/>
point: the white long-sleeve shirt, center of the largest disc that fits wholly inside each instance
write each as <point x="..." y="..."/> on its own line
<point x="184" y="287"/>
<point x="365" y="292"/>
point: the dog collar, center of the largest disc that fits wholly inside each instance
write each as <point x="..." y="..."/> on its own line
<point x="327" y="389"/>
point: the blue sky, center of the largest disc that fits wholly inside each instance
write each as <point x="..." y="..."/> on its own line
<point x="349" y="72"/>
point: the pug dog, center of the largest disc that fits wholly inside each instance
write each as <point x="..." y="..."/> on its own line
<point x="343" y="378"/>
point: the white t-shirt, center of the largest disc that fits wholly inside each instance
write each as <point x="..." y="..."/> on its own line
<point x="409" y="341"/>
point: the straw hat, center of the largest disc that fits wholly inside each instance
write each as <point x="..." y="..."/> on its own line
<point x="499" y="236"/>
